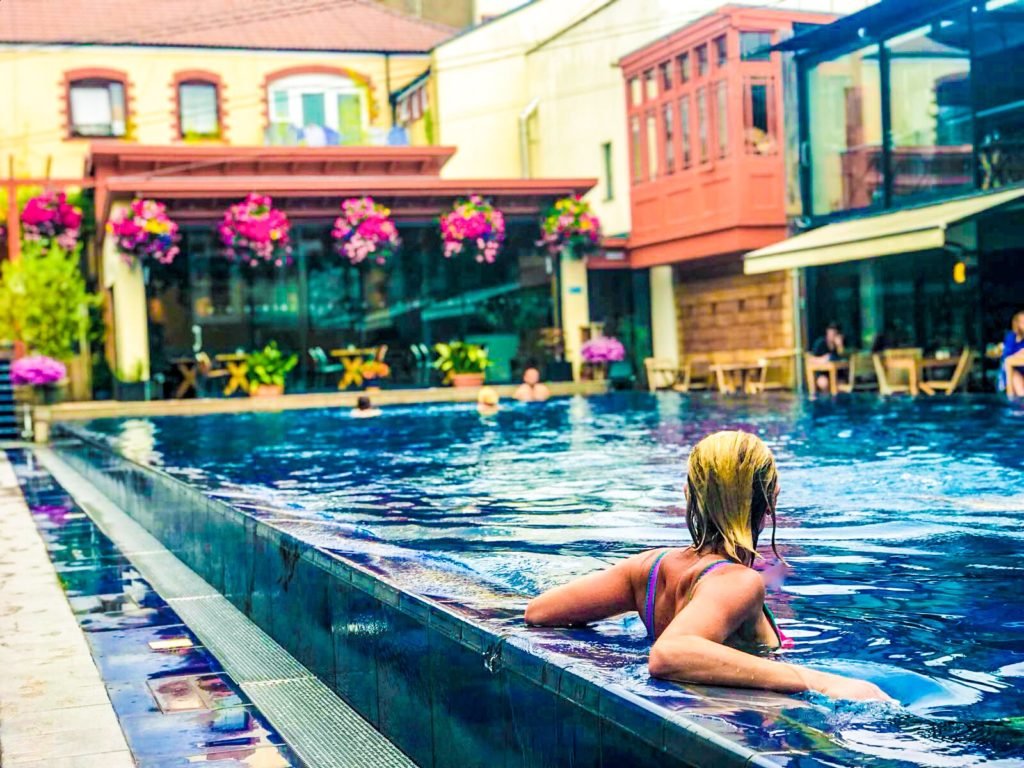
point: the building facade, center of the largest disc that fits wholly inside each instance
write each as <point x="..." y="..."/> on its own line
<point x="908" y="133"/>
<point x="197" y="104"/>
<point x="707" y="173"/>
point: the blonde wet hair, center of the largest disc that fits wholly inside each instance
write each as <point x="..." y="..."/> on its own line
<point x="487" y="396"/>
<point x="731" y="484"/>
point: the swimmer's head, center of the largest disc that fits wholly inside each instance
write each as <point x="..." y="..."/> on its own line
<point x="363" y="403"/>
<point x="531" y="376"/>
<point x="487" y="396"/>
<point x="731" y="489"/>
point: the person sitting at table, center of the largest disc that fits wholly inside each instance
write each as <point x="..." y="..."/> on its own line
<point x="364" y="409"/>
<point x="487" y="400"/>
<point x="1011" y="358"/>
<point x="827" y="349"/>
<point x="532" y="390"/>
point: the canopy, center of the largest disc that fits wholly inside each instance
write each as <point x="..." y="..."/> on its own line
<point x="915" y="229"/>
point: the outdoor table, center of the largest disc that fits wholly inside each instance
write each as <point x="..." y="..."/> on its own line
<point x="189" y="368"/>
<point x="831" y="368"/>
<point x="733" y="376"/>
<point x="353" y="360"/>
<point x="238" y="369"/>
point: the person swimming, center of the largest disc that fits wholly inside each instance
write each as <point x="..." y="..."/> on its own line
<point x="487" y="401"/>
<point x="364" y="409"/>
<point x="532" y="390"/>
<point x="704" y="606"/>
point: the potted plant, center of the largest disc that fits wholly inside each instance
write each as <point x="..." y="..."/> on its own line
<point x="373" y="371"/>
<point x="268" y="369"/>
<point x="364" y="231"/>
<point x="570" y="227"/>
<point x="465" y="365"/>
<point x="600" y="351"/>
<point x="43" y="374"/>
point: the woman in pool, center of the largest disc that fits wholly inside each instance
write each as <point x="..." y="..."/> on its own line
<point x="703" y="606"/>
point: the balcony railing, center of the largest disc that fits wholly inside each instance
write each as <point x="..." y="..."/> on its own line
<point x="284" y="135"/>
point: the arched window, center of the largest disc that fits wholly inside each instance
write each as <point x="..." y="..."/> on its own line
<point x="198" y="105"/>
<point x="321" y="108"/>
<point x="97" y="103"/>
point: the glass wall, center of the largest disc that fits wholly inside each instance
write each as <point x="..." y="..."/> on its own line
<point x="621" y="299"/>
<point x="927" y="112"/>
<point x="203" y="300"/>
<point x="845" y="117"/>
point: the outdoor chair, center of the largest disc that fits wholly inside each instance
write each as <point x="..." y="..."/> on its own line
<point x="620" y="375"/>
<point x="862" y="373"/>
<point x="956" y="380"/>
<point x="778" y="370"/>
<point x="892" y="361"/>
<point x="661" y="373"/>
<point x="695" y="373"/>
<point x="322" y="367"/>
<point x="208" y="372"/>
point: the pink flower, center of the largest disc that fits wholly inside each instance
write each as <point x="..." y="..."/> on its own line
<point x="254" y="231"/>
<point x="473" y="222"/>
<point x="37" y="370"/>
<point x="603" y="349"/>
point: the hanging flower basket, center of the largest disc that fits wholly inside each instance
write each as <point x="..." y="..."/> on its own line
<point x="570" y="227"/>
<point x="49" y="217"/>
<point x="365" y="231"/>
<point x="255" y="232"/>
<point x="144" y="233"/>
<point x="476" y="225"/>
<point x="603" y="349"/>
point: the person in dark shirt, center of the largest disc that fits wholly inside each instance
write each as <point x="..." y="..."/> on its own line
<point x="827" y="349"/>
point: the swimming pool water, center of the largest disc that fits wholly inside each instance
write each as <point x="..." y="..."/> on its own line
<point x="903" y="522"/>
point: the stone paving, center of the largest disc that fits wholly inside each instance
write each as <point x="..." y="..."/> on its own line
<point x="54" y="708"/>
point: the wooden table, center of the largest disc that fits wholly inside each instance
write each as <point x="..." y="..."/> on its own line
<point x="830" y="368"/>
<point x="353" y="360"/>
<point x="189" y="368"/>
<point x="238" y="370"/>
<point x="733" y="376"/>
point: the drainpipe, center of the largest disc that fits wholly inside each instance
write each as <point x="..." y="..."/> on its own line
<point x="524" y="140"/>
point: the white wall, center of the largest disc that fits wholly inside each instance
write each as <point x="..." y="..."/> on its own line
<point x="488" y="9"/>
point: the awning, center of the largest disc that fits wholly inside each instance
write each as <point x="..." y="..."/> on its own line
<point x="915" y="229"/>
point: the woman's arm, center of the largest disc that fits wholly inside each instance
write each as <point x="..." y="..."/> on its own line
<point x="588" y="598"/>
<point x="691" y="647"/>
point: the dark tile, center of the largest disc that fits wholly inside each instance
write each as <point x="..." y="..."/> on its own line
<point x="302" y="619"/>
<point x="621" y="747"/>
<point x="131" y="617"/>
<point x="99" y="581"/>
<point x="154" y="664"/>
<point x="132" y="698"/>
<point x="403" y="685"/>
<point x="263" y="757"/>
<point x="219" y="732"/>
<point x="356" y="624"/>
<point x="138" y="640"/>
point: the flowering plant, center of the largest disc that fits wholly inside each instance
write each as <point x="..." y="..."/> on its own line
<point x="474" y="222"/>
<point x="50" y="217"/>
<point x="37" y="371"/>
<point x="603" y="349"/>
<point x="255" y="231"/>
<point x="365" y="229"/>
<point x="375" y="369"/>
<point x="570" y="222"/>
<point x="144" y="231"/>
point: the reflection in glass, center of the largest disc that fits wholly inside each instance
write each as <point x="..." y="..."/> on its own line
<point x="930" y="107"/>
<point x="844" y="110"/>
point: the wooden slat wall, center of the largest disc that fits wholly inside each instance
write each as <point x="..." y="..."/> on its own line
<point x="738" y="312"/>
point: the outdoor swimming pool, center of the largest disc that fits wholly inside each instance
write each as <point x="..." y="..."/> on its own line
<point x="903" y="521"/>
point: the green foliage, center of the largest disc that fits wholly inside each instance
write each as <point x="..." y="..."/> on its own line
<point x="270" y="366"/>
<point x="459" y="357"/>
<point x="44" y="302"/>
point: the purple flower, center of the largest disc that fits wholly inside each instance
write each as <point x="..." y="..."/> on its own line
<point x="603" y="349"/>
<point x="37" y="370"/>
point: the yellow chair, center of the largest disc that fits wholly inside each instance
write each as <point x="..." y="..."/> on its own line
<point x="954" y="382"/>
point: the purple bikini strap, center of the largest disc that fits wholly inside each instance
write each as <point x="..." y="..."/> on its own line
<point x="652" y="583"/>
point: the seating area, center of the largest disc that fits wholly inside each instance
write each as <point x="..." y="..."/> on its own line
<point x="890" y="372"/>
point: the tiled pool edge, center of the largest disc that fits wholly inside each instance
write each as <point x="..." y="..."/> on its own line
<point x="398" y="658"/>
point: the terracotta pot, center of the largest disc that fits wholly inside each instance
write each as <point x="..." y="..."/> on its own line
<point x="467" y="380"/>
<point x="266" y="390"/>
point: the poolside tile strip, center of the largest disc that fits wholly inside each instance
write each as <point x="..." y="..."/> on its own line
<point x="317" y="726"/>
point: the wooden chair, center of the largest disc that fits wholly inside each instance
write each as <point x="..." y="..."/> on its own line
<point x="661" y="373"/>
<point x="208" y="372"/>
<point x="862" y="374"/>
<point x="893" y="360"/>
<point x="778" y="361"/>
<point x="954" y="382"/>
<point x="322" y="367"/>
<point x="694" y="374"/>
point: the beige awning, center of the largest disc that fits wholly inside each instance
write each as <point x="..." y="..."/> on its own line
<point x="915" y="229"/>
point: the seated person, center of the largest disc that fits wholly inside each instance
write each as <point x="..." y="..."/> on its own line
<point x="704" y="605"/>
<point x="487" y="401"/>
<point x="364" y="409"/>
<point x="827" y="349"/>
<point x="531" y="390"/>
<point x="1011" y="358"/>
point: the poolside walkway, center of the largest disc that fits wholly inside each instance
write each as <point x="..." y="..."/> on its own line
<point x="54" y="709"/>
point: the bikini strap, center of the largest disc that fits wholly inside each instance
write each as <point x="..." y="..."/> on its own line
<point x="652" y="585"/>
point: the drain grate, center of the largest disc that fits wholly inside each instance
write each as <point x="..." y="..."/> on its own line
<point x="317" y="725"/>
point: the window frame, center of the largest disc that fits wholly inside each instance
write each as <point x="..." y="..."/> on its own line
<point x="203" y="78"/>
<point x="96" y="78"/>
<point x="685" y="119"/>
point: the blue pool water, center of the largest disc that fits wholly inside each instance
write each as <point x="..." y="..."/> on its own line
<point x="903" y="522"/>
